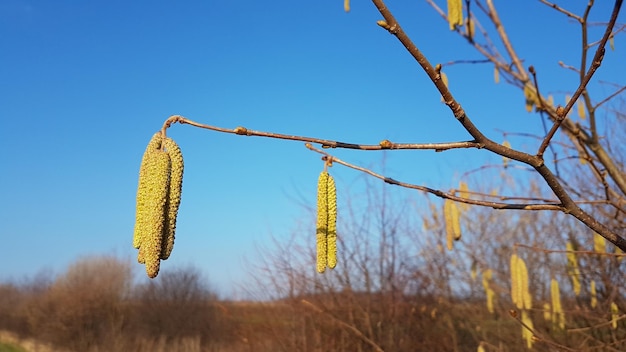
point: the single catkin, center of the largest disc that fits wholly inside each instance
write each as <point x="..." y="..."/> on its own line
<point x="594" y="294"/>
<point x="527" y="329"/>
<point x="530" y="96"/>
<point x="331" y="238"/>
<point x="572" y="267"/>
<point x="142" y="188"/>
<point x="453" y="223"/>
<point x="489" y="292"/>
<point x="558" y="317"/>
<point x="520" y="294"/>
<point x="614" y="315"/>
<point x="526" y="297"/>
<point x="152" y="225"/>
<point x="322" y="221"/>
<point x="464" y="193"/>
<point x="581" y="110"/>
<point x="599" y="243"/>
<point x="174" y="197"/>
<point x="455" y="13"/>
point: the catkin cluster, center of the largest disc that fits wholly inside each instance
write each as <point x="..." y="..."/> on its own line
<point x="158" y="198"/>
<point x="326" y="234"/>
<point x="520" y="293"/>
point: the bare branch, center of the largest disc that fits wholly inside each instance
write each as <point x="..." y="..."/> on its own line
<point x="495" y="205"/>
<point x="394" y="28"/>
<point x="493" y="14"/>
<point x="561" y="10"/>
<point x="384" y="144"/>
<point x="616" y="93"/>
<point x="561" y="114"/>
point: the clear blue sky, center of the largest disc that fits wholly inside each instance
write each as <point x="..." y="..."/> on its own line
<point x="83" y="86"/>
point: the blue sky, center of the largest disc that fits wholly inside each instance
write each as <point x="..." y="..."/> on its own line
<point x="83" y="86"/>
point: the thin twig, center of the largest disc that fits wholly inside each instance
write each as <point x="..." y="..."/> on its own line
<point x="356" y="331"/>
<point x="597" y="61"/>
<point x="513" y="313"/>
<point x="383" y="145"/>
<point x="493" y="14"/>
<point x="548" y="251"/>
<point x="561" y="10"/>
<point x="616" y="93"/>
<point x="495" y="205"/>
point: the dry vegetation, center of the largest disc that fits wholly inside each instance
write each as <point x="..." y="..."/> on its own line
<point x="396" y="288"/>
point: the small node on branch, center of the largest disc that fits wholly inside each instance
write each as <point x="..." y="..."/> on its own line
<point x="383" y="24"/>
<point x="531" y="69"/>
<point x="560" y="112"/>
<point x="386" y="144"/>
<point x="241" y="130"/>
<point x="513" y="313"/>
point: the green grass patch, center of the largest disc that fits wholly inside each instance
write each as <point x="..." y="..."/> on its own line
<point x="7" y="347"/>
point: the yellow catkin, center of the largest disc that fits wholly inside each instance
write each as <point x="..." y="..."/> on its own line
<point x="157" y="176"/>
<point x="487" y="275"/>
<point x="572" y="268"/>
<point x="174" y="196"/>
<point x="599" y="243"/>
<point x="142" y="188"/>
<point x="550" y="100"/>
<point x="614" y="315"/>
<point x="322" y="221"/>
<point x="455" y="13"/>
<point x="496" y="74"/>
<point x="558" y="317"/>
<point x="594" y="294"/>
<point x="516" y="296"/>
<point x="331" y="238"/>
<point x="346" y="5"/>
<point x="505" y="160"/>
<point x="452" y="221"/>
<point x="581" y="110"/>
<point x="530" y="97"/>
<point x="526" y="297"/>
<point x="547" y="312"/>
<point x="480" y="348"/>
<point x="520" y="292"/>
<point x="526" y="333"/>
<point x="464" y="193"/>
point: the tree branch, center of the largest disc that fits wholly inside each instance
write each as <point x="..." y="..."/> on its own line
<point x="554" y="205"/>
<point x="394" y="28"/>
<point x="384" y="144"/>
